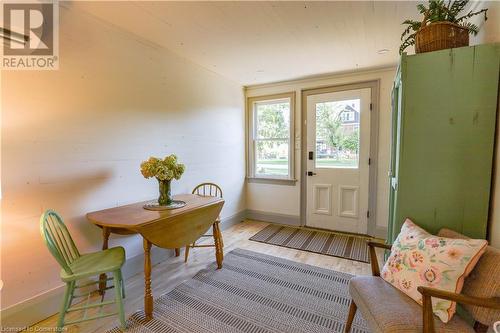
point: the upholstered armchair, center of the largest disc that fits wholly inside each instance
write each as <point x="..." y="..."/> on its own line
<point x="386" y="309"/>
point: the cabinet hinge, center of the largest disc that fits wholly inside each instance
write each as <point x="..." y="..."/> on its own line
<point x="371" y="106"/>
<point x="368" y="214"/>
<point x="369" y="161"/>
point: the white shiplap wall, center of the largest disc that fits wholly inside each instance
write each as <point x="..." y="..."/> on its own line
<point x="73" y="140"/>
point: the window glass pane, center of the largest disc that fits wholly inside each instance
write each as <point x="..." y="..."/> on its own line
<point x="272" y="119"/>
<point x="271" y="158"/>
<point x="337" y="134"/>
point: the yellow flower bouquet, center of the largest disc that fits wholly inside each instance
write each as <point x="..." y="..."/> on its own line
<point x="164" y="170"/>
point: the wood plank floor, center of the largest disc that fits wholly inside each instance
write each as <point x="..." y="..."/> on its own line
<point x="173" y="271"/>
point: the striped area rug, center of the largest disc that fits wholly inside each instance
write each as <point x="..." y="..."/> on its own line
<point x="253" y="293"/>
<point x="332" y="244"/>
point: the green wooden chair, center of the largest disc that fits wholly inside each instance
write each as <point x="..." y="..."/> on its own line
<point x="76" y="266"/>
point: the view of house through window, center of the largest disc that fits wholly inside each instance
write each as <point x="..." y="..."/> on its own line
<point x="272" y="138"/>
<point x="337" y="134"/>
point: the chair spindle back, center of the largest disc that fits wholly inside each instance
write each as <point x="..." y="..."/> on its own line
<point x="58" y="239"/>
<point x="208" y="189"/>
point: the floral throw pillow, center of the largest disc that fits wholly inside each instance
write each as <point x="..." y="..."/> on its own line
<point x="421" y="259"/>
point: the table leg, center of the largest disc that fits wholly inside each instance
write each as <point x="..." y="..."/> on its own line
<point x="148" y="297"/>
<point x="219" y="251"/>
<point x="177" y="252"/>
<point x="221" y="240"/>
<point x="103" y="277"/>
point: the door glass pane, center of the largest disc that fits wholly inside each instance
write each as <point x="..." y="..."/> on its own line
<point x="337" y="134"/>
<point x="273" y="119"/>
<point x="271" y="158"/>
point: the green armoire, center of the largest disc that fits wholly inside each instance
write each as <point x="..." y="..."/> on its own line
<point x="443" y="136"/>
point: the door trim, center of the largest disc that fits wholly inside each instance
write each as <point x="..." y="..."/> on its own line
<point x="374" y="125"/>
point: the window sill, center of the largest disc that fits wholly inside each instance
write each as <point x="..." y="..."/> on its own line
<point x="272" y="181"/>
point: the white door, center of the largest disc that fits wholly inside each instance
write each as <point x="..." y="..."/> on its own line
<point x="338" y="147"/>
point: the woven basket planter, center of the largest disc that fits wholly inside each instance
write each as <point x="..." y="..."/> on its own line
<point x="439" y="36"/>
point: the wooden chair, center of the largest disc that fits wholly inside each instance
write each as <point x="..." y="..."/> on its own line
<point x="76" y="267"/>
<point x="212" y="190"/>
<point x="386" y="309"/>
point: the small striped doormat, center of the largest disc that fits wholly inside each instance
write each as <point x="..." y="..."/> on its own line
<point x="324" y="242"/>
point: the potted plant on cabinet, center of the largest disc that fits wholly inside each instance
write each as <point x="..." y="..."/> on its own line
<point x="444" y="26"/>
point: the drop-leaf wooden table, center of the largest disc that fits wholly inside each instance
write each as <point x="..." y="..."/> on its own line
<point x="171" y="229"/>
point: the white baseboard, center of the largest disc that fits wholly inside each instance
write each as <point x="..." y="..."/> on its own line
<point x="46" y="304"/>
<point x="273" y="217"/>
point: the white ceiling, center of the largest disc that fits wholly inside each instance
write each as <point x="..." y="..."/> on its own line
<point x="259" y="42"/>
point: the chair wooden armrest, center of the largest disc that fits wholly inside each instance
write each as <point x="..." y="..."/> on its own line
<point x="373" y="255"/>
<point x="428" y="293"/>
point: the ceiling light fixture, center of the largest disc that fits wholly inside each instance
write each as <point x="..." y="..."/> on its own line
<point x="383" y="51"/>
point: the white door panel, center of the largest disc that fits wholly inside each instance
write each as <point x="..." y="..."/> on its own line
<point x="322" y="199"/>
<point x="338" y="146"/>
<point x="348" y="201"/>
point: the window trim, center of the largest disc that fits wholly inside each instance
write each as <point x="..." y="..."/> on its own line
<point x="271" y="179"/>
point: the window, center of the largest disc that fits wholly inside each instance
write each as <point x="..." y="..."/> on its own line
<point x="270" y="137"/>
<point x="337" y="134"/>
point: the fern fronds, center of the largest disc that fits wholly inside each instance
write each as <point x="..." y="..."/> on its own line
<point x="412" y="25"/>
<point x="409" y="41"/>
<point x="457" y="7"/>
<point x="421" y="8"/>
<point x="471" y="13"/>
<point x="473" y="29"/>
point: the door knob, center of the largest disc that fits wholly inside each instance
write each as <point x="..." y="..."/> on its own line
<point x="310" y="173"/>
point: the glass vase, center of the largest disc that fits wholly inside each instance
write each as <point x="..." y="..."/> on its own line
<point x="165" y="197"/>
